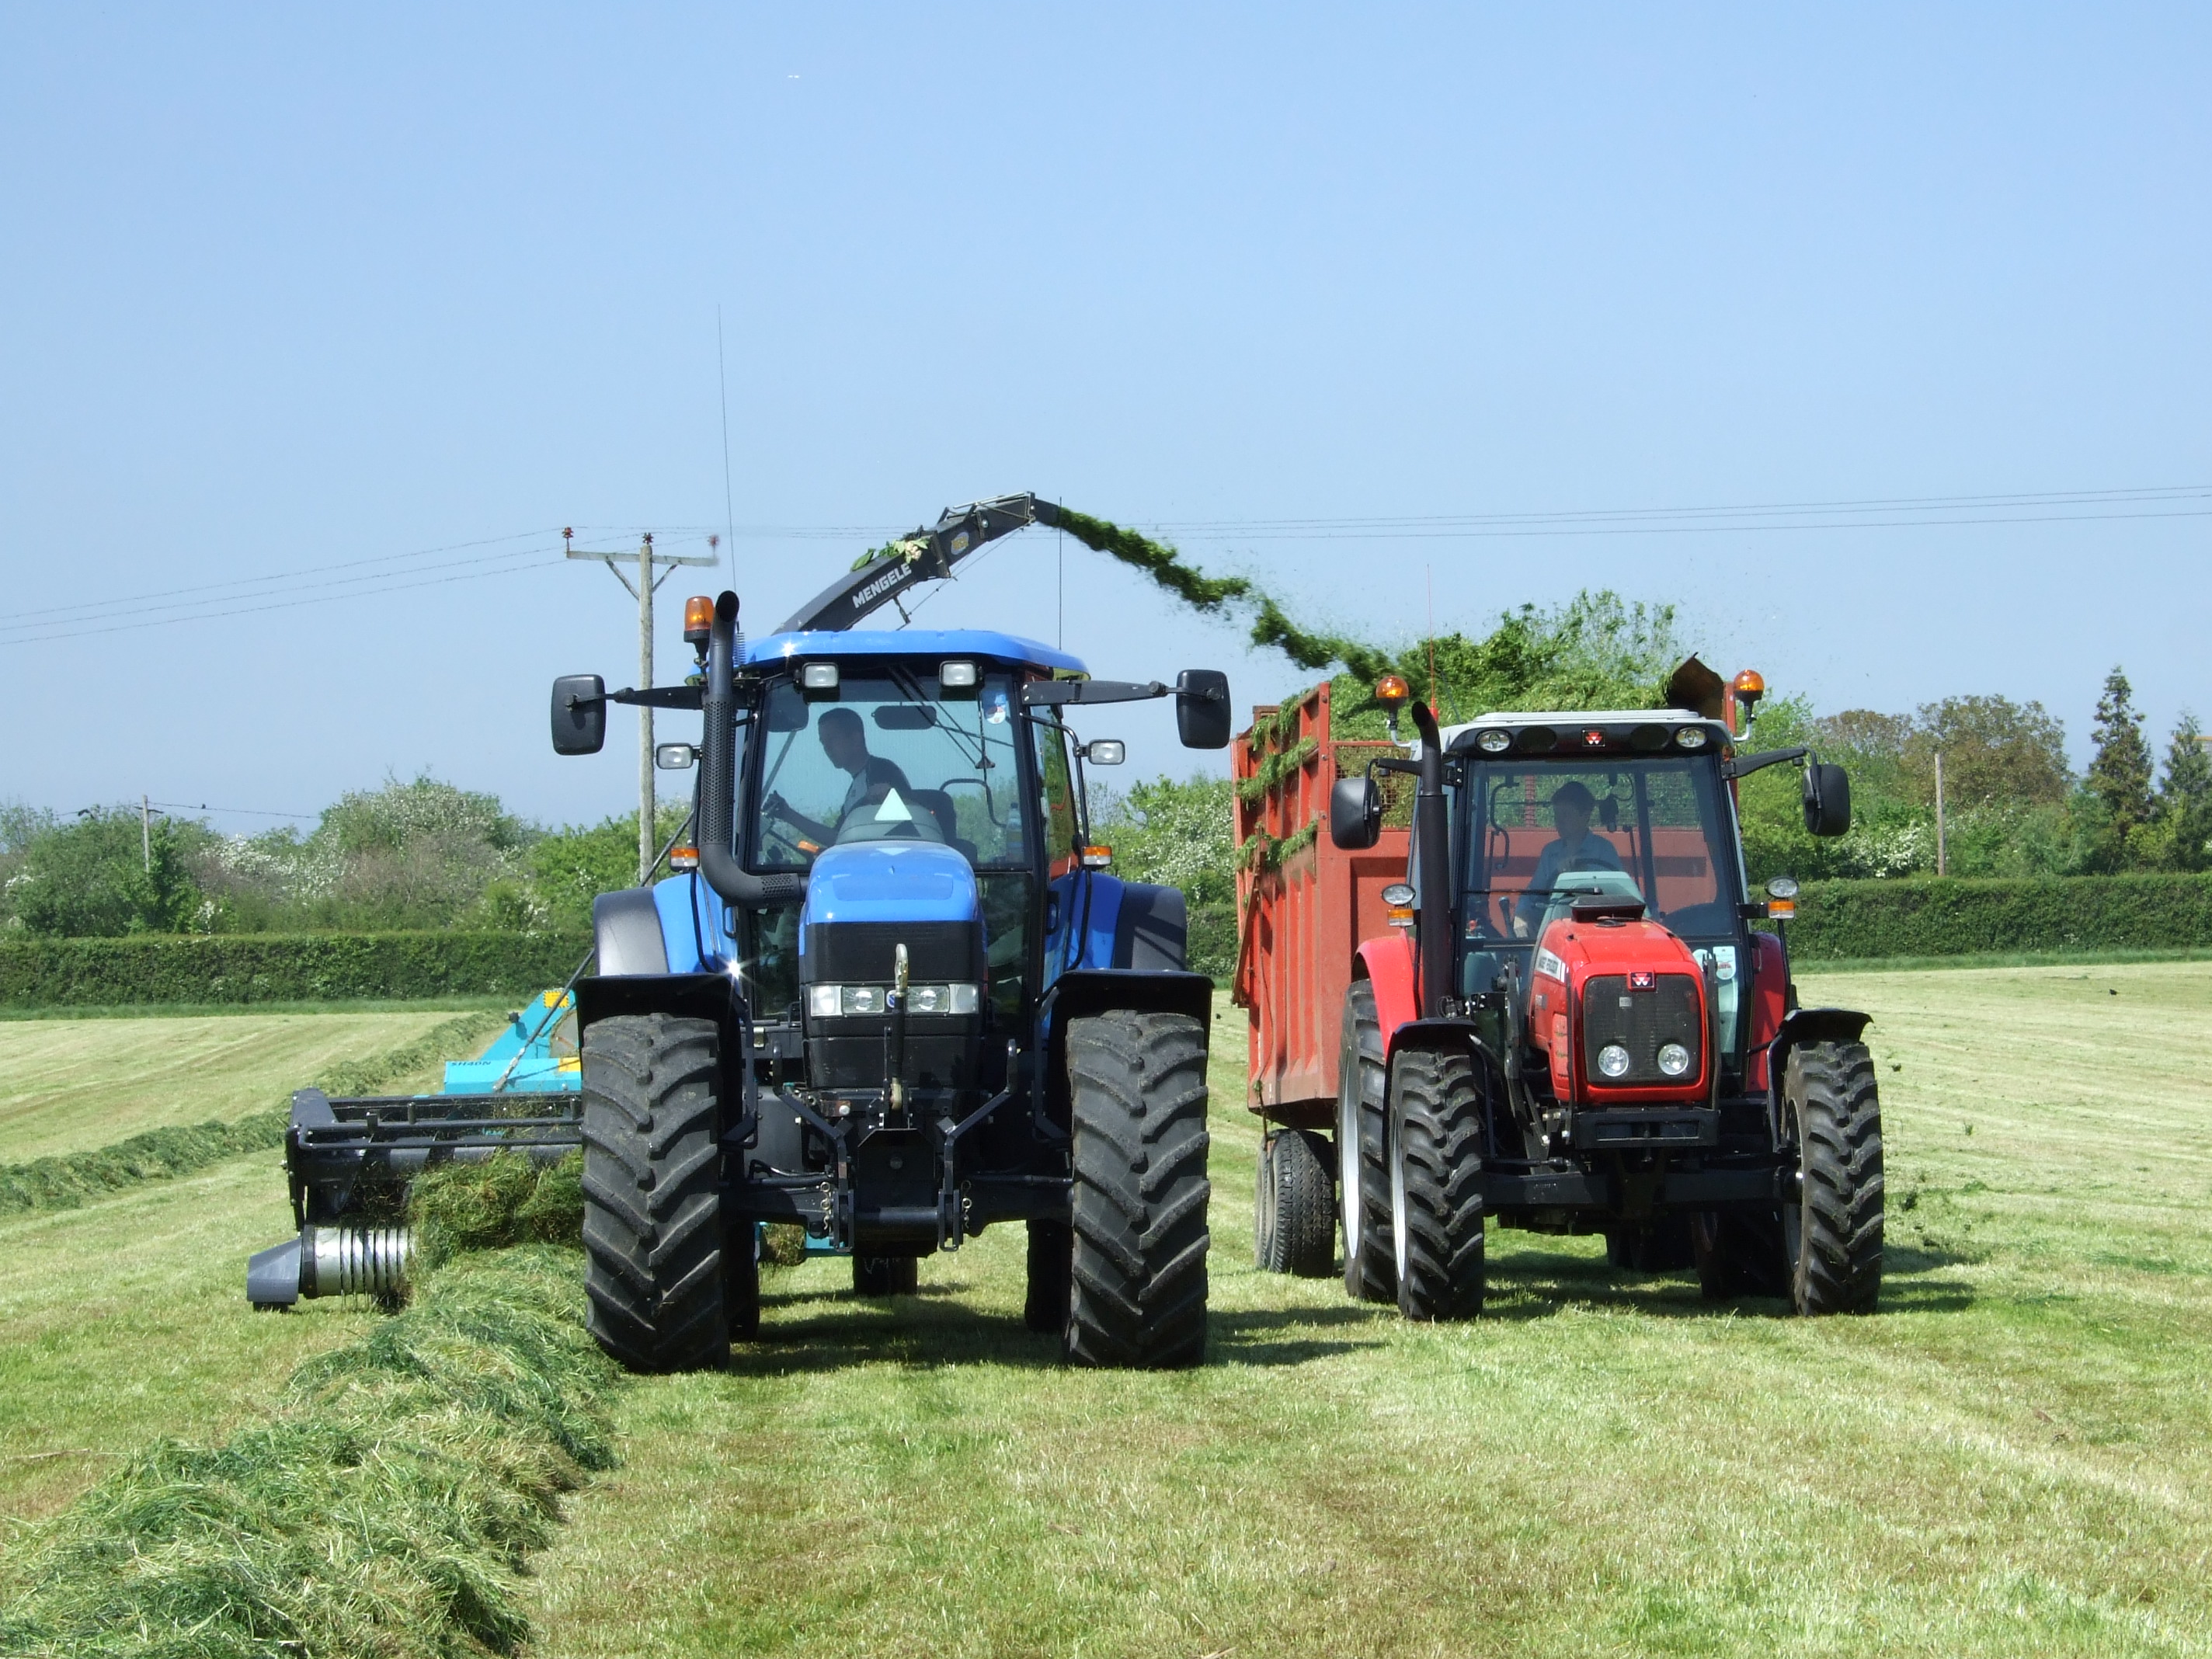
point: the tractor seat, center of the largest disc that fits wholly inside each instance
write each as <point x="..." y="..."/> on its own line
<point x="937" y="804"/>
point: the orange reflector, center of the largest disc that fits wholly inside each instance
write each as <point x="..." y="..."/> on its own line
<point x="1751" y="683"/>
<point x="1392" y="691"/>
<point x="1097" y="858"/>
<point x="1400" y="918"/>
<point x="684" y="858"/>
<point x="698" y="616"/>
<point x="1781" y="910"/>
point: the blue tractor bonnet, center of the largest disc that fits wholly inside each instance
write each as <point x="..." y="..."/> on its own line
<point x="910" y="881"/>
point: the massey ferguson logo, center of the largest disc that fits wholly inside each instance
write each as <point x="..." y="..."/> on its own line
<point x="1643" y="982"/>
<point x="881" y="585"/>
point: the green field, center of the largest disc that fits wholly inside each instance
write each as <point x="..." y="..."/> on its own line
<point x="69" y="1084"/>
<point x="2015" y="1456"/>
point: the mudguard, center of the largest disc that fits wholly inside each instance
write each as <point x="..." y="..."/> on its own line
<point x="627" y="926"/>
<point x="1152" y="931"/>
<point x="1390" y="967"/>
<point x="1805" y="1025"/>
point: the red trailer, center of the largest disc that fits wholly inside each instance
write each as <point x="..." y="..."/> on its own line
<point x="1304" y="904"/>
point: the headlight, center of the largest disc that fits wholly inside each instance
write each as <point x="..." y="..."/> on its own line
<point x="1690" y="737"/>
<point x="833" y="1001"/>
<point x="1674" y="1059"/>
<point x="1613" y="1060"/>
<point x="1493" y="743"/>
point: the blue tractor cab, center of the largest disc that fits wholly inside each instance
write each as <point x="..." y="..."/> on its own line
<point x="897" y="997"/>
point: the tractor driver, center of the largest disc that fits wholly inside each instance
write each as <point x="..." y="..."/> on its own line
<point x="845" y="741"/>
<point x="1575" y="848"/>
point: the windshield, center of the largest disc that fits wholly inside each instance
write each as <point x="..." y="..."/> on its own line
<point x="1652" y="828"/>
<point x="887" y="757"/>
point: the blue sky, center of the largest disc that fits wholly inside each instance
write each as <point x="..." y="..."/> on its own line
<point x="285" y="288"/>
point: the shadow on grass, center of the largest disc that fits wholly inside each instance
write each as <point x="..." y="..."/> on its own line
<point x="1537" y="1285"/>
<point x="831" y="1330"/>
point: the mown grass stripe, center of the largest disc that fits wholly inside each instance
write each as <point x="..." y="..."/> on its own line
<point x="385" y="1511"/>
<point x="68" y="1180"/>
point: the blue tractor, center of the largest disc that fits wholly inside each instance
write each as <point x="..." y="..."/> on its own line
<point x="893" y="997"/>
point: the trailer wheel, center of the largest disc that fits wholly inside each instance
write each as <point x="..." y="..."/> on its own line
<point x="1362" y="1182"/>
<point x="1137" y="1091"/>
<point x="1832" y="1237"/>
<point x="1052" y="1247"/>
<point x="653" y="1223"/>
<point x="885" y="1275"/>
<point x="1436" y="1184"/>
<point x="1294" y="1230"/>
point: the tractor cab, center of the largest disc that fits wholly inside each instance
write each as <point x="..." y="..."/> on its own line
<point x="1565" y="825"/>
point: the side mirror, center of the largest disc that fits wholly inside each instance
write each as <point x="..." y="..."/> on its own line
<point x="1355" y="813"/>
<point x="675" y="757"/>
<point x="580" y="714"/>
<point x="1202" y="708"/>
<point x="1827" y="800"/>
<point x="1105" y="751"/>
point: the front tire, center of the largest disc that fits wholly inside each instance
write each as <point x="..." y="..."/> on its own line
<point x="653" y="1223"/>
<point x="1363" y="1185"/>
<point x="1137" y="1092"/>
<point x="1294" y="1227"/>
<point x="1833" y="1235"/>
<point x="1436" y="1184"/>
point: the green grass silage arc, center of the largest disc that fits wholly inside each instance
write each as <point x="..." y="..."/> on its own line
<point x="385" y="1511"/>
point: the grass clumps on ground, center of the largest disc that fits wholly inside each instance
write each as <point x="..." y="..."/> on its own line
<point x="385" y="1512"/>
<point x="507" y="1199"/>
<point x="67" y="1180"/>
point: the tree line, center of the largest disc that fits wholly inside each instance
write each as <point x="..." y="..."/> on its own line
<point x="424" y="854"/>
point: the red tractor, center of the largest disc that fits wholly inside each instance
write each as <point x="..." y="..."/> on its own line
<point x="1560" y="1017"/>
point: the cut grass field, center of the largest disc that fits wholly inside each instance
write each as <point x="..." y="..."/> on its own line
<point x="2013" y="1457"/>
<point x="67" y="1085"/>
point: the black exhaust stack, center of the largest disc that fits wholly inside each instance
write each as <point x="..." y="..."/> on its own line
<point x="718" y="782"/>
<point x="1432" y="840"/>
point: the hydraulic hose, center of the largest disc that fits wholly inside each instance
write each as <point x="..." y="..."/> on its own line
<point x="717" y="863"/>
<point x="1432" y="840"/>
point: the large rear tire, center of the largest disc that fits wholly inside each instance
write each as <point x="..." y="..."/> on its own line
<point x="1436" y="1184"/>
<point x="1294" y="1227"/>
<point x="1833" y="1235"/>
<point x="653" y="1223"/>
<point x="1363" y="1184"/>
<point x="1137" y="1091"/>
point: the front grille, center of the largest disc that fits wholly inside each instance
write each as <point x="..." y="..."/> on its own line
<point x="1640" y="1022"/>
<point x="861" y="952"/>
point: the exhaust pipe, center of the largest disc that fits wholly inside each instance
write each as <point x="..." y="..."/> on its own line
<point x="1432" y="839"/>
<point x="717" y="744"/>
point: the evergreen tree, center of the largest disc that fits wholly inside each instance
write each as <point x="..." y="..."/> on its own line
<point x="2185" y="798"/>
<point x="2119" y="773"/>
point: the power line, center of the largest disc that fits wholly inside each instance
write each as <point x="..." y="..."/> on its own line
<point x="243" y="812"/>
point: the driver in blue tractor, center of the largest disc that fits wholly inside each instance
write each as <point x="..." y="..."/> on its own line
<point x="845" y="741"/>
<point x="1574" y="849"/>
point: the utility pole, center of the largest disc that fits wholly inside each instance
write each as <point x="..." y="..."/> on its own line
<point x="146" y="832"/>
<point x="1943" y="862"/>
<point x="641" y="590"/>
